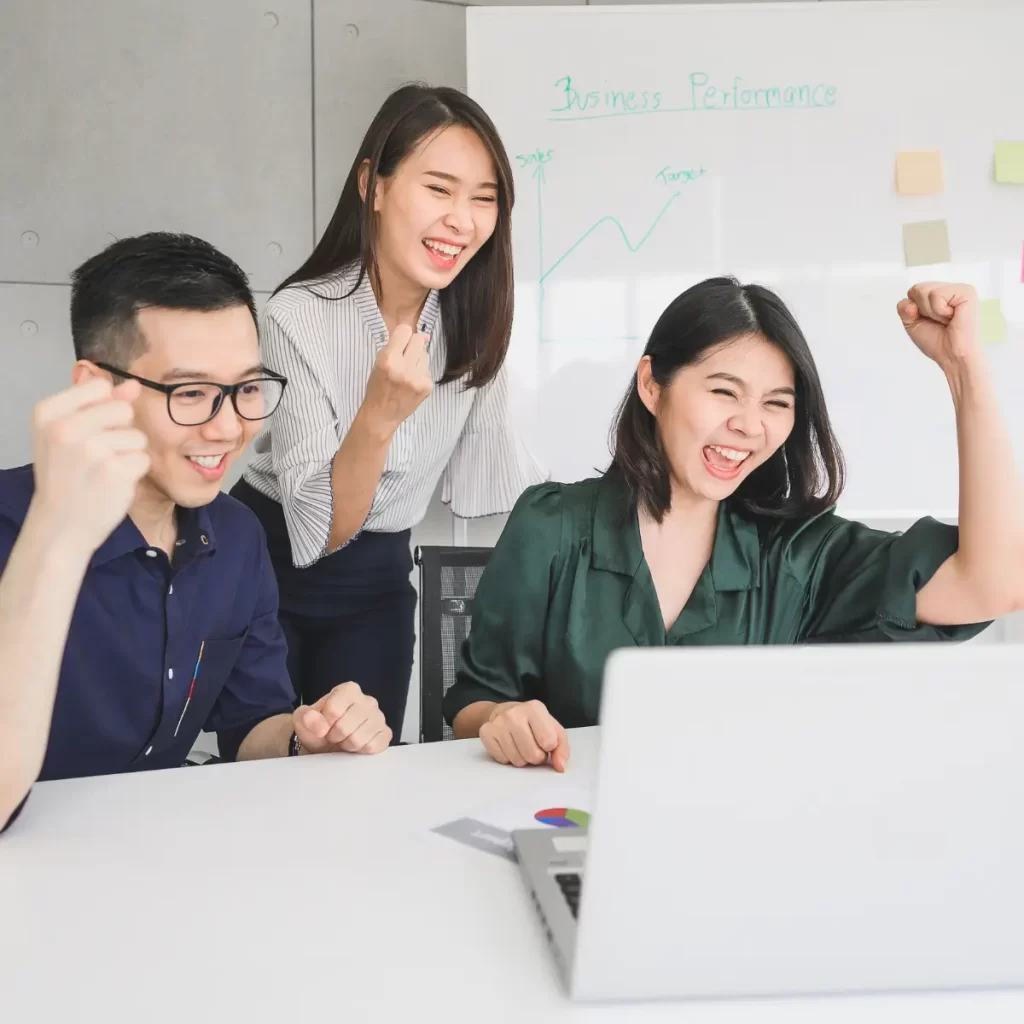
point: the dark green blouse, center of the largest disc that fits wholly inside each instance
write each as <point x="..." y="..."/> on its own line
<point x="568" y="583"/>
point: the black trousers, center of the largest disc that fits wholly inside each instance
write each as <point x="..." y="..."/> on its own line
<point x="370" y="644"/>
<point x="350" y="616"/>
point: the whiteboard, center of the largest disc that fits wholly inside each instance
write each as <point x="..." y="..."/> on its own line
<point x="633" y="182"/>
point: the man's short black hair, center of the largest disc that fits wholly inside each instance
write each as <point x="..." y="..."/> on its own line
<point x="159" y="269"/>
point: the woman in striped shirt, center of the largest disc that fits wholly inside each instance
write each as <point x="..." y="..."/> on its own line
<point x="393" y="336"/>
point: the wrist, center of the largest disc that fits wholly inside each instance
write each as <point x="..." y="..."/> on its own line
<point x="57" y="539"/>
<point x="966" y="375"/>
<point x="373" y="424"/>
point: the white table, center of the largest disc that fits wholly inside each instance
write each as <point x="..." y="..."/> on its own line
<point x="312" y="889"/>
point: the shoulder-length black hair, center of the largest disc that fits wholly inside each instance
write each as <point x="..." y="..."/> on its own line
<point x="476" y="308"/>
<point x="805" y="476"/>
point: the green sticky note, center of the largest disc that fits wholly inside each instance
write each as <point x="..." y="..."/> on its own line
<point x="1009" y="164"/>
<point x="993" y="323"/>
<point x="926" y="242"/>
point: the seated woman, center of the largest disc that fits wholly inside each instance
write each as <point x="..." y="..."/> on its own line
<point x="714" y="523"/>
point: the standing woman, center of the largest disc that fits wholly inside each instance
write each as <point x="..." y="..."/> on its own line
<point x="393" y="336"/>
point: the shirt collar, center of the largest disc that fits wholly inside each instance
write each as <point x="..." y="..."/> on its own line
<point x="616" y="532"/>
<point x="195" y="537"/>
<point x="735" y="557"/>
<point x="369" y="311"/>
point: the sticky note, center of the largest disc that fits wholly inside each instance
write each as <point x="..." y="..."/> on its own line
<point x="926" y="241"/>
<point x="1009" y="164"/>
<point x="993" y="323"/>
<point x="919" y="173"/>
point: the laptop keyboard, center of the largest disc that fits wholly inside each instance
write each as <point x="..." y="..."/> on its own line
<point x="570" y="883"/>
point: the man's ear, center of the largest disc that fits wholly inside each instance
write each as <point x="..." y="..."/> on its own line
<point x="84" y="371"/>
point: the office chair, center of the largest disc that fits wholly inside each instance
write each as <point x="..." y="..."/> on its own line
<point x="449" y="577"/>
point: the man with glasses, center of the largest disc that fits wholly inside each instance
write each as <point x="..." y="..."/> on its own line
<point x="175" y="627"/>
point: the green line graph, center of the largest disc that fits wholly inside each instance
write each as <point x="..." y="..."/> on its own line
<point x="545" y="272"/>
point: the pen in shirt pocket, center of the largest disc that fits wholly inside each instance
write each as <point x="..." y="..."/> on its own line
<point x="191" y="689"/>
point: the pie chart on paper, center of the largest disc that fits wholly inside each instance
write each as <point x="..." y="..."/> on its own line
<point x="563" y="817"/>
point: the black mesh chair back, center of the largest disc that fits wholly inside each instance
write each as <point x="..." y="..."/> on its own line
<point x="449" y="577"/>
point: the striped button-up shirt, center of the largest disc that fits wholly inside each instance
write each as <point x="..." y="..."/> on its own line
<point x="325" y="341"/>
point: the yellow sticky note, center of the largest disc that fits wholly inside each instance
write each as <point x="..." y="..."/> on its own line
<point x="993" y="323"/>
<point x="919" y="173"/>
<point x="1009" y="165"/>
<point x="925" y="242"/>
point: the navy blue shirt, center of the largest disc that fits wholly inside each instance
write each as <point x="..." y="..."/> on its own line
<point x="136" y="634"/>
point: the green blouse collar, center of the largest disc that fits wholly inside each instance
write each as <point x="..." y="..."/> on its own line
<point x="735" y="557"/>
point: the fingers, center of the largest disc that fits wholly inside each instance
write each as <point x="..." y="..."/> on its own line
<point x="95" y="392"/>
<point x="66" y="402"/>
<point x="135" y="465"/>
<point x="908" y="312"/>
<point x="356" y="726"/>
<point x="417" y="347"/>
<point x="344" y="719"/>
<point x="409" y="367"/>
<point x="90" y="420"/>
<point x="560" y="755"/>
<point x="511" y="750"/>
<point x="378" y="742"/>
<point x="334" y="704"/>
<point x="398" y="340"/>
<point x="492" y="746"/>
<point x="405" y="340"/>
<point x="931" y="304"/>
<point x="310" y="726"/>
<point x="552" y="739"/>
<point x="545" y="730"/>
<point x="939" y="301"/>
<point x="368" y="737"/>
<point x="516" y="748"/>
<point x="525" y="734"/>
<point x="127" y="391"/>
<point x="127" y="440"/>
<point x="417" y="359"/>
<point x="498" y="743"/>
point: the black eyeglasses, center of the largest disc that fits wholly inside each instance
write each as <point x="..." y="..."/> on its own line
<point x="196" y="402"/>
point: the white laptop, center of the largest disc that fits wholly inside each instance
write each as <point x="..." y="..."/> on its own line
<point x="783" y="821"/>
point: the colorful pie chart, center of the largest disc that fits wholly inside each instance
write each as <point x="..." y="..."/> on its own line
<point x="563" y="817"/>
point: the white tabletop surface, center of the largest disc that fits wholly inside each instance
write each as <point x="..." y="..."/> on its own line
<point x="312" y="888"/>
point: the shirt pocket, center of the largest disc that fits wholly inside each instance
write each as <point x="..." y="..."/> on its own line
<point x="216" y="658"/>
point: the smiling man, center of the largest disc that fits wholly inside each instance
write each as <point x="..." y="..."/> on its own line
<point x="175" y="627"/>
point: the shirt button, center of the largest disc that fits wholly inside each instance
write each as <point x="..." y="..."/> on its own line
<point x="149" y="750"/>
<point x="151" y="553"/>
<point x="170" y="673"/>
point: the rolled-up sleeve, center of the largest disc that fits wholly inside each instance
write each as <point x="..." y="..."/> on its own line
<point x="258" y="687"/>
<point x="490" y="466"/>
<point x="306" y="437"/>
<point x="862" y="584"/>
<point x="503" y="658"/>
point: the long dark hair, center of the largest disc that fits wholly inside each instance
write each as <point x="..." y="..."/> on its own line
<point x="805" y="476"/>
<point x="476" y="308"/>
